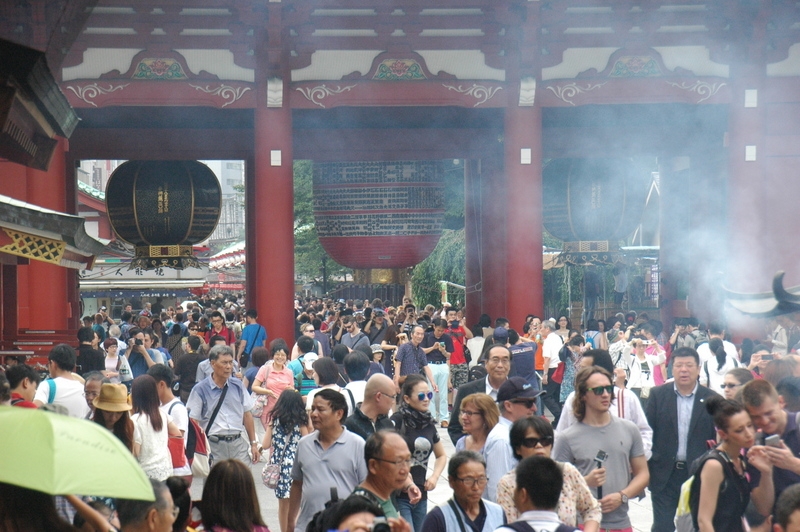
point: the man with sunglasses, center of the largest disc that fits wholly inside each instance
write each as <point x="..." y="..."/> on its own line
<point x="607" y="450"/>
<point x="516" y="399"/>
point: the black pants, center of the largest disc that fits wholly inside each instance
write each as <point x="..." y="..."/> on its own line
<point x="551" y="398"/>
<point x="665" y="501"/>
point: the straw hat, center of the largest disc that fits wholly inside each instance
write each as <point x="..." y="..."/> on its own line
<point x="112" y="398"/>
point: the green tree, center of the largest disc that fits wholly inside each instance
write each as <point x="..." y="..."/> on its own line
<point x="446" y="263"/>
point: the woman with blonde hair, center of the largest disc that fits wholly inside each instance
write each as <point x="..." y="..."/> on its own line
<point x="479" y="414"/>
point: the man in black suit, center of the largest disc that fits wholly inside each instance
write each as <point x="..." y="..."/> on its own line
<point x="498" y="364"/>
<point x="681" y="426"/>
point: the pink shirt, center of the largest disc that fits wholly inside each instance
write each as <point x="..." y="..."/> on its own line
<point x="274" y="381"/>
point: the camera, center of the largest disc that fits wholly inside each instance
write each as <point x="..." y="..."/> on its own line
<point x="380" y="524"/>
<point x="139" y="342"/>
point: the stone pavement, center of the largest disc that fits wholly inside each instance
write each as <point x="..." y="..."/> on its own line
<point x="640" y="511"/>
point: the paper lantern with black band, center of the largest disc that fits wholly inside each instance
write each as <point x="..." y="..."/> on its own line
<point x="163" y="208"/>
<point x="379" y="215"/>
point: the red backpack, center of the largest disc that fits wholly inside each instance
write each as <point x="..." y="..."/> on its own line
<point x="197" y="449"/>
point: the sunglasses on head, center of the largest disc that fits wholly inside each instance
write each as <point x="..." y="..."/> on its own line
<point x="531" y="443"/>
<point x="422" y="395"/>
<point x="598" y="390"/>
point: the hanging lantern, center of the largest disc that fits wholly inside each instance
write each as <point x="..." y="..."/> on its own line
<point x="163" y="208"/>
<point x="379" y="216"/>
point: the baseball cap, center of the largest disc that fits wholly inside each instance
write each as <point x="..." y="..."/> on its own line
<point x="517" y="388"/>
<point x="501" y="333"/>
<point x="376" y="348"/>
<point x="309" y="359"/>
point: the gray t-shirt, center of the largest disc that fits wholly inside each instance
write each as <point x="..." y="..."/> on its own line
<point x="621" y="440"/>
<point x="341" y="466"/>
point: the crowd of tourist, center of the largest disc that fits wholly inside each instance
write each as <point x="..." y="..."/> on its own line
<point x="554" y="427"/>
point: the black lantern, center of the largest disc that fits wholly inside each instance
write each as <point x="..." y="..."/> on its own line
<point x="163" y="208"/>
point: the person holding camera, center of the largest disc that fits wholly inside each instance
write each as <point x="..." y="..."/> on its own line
<point x="356" y="514"/>
<point x="641" y="366"/>
<point x="140" y="358"/>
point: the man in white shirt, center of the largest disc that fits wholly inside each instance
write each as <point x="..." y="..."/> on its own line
<point x="516" y="399"/>
<point x="173" y="407"/>
<point x="539" y="484"/>
<point x="716" y="330"/>
<point x="62" y="388"/>
<point x="356" y="365"/>
<point x="550" y="348"/>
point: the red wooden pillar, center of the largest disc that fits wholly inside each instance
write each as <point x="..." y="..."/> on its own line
<point x="8" y="302"/>
<point x="472" y="237"/>
<point x="523" y="171"/>
<point x="48" y="303"/>
<point x="251" y="261"/>
<point x="272" y="215"/>
<point x="494" y="248"/>
<point x="752" y="260"/>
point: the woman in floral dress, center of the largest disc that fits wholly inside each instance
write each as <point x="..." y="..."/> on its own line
<point x="572" y="354"/>
<point x="288" y="423"/>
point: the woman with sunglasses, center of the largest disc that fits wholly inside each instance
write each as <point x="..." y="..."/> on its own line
<point x="533" y="436"/>
<point x="479" y="414"/>
<point x="414" y="422"/>
<point x="734" y="380"/>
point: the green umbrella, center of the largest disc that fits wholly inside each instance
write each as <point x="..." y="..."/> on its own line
<point x="61" y="455"/>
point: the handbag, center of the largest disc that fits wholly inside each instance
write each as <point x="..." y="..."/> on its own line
<point x="270" y="475"/>
<point x="558" y="374"/>
<point x="260" y="400"/>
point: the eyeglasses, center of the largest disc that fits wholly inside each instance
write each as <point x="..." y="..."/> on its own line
<point x="422" y="395"/>
<point x="497" y="360"/>
<point x="598" y="390"/>
<point x="472" y="481"/>
<point x="392" y="397"/>
<point x="469" y="413"/>
<point x="408" y="462"/>
<point x="531" y="443"/>
<point x="730" y="386"/>
<point x="527" y="402"/>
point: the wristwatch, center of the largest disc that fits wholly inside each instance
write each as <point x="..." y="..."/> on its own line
<point x="624" y="498"/>
<point x="254" y="442"/>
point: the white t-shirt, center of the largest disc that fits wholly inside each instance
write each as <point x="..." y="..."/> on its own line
<point x="154" y="453"/>
<point x="69" y="394"/>
<point x="351" y="407"/>
<point x="705" y="352"/>
<point x="357" y="387"/>
<point x="180" y="416"/>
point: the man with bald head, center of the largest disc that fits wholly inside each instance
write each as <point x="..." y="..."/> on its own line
<point x="371" y="415"/>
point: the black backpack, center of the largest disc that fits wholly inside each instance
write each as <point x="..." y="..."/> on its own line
<point x="477" y="372"/>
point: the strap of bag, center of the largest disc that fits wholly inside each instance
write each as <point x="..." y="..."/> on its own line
<point x="51" y="384"/>
<point x="453" y="506"/>
<point x="216" y="408"/>
<point x="708" y="377"/>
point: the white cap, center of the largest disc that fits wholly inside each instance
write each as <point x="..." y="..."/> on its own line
<point x="309" y="359"/>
